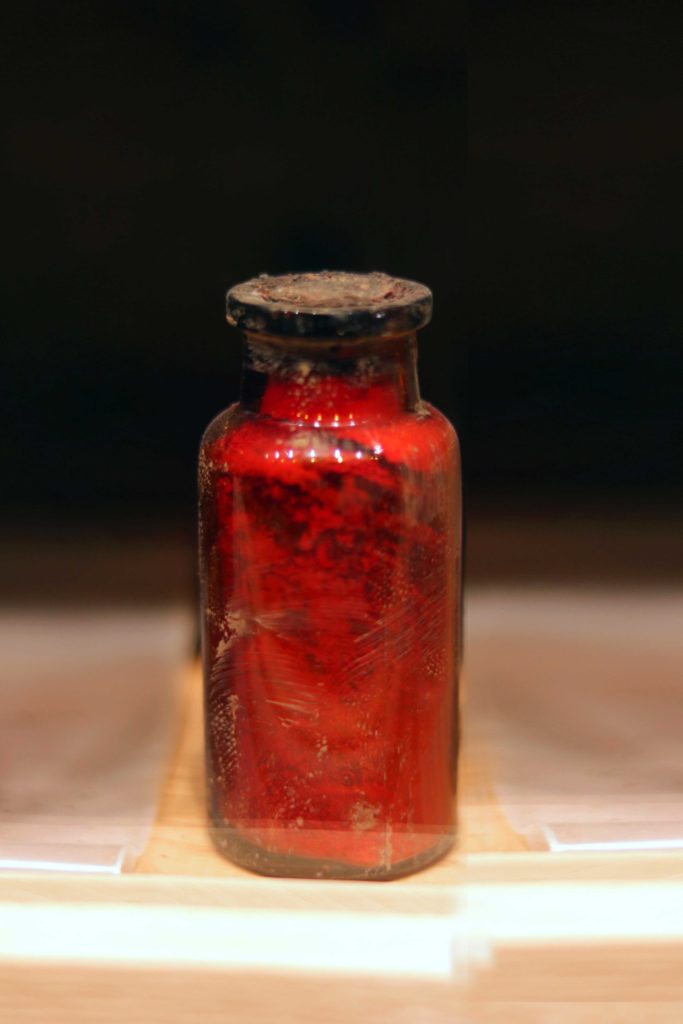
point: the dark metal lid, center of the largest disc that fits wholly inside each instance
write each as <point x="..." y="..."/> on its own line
<point x="329" y="303"/>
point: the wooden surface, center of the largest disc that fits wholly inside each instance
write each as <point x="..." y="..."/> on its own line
<point x="493" y="934"/>
<point x="522" y="938"/>
<point x="180" y="844"/>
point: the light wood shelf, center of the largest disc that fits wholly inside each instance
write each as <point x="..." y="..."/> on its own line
<point x="492" y="933"/>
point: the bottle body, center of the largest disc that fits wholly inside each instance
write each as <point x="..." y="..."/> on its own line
<point x="330" y="553"/>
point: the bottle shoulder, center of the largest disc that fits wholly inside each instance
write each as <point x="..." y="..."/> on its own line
<point x="241" y="441"/>
<point x="438" y="422"/>
<point x="222" y="425"/>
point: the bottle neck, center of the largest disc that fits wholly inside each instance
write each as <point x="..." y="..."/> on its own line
<point x="330" y="383"/>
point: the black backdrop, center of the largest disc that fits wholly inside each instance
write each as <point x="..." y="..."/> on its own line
<point x="159" y="152"/>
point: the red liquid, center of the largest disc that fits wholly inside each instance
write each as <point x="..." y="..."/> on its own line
<point x="330" y="533"/>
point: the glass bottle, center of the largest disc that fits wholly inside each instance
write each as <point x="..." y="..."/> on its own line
<point x="329" y="560"/>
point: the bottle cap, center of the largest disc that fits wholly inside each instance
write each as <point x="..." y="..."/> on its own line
<point x="328" y="304"/>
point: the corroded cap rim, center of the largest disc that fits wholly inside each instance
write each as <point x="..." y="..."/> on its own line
<point x="329" y="303"/>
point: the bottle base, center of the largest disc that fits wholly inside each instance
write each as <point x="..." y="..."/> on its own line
<point x="234" y="846"/>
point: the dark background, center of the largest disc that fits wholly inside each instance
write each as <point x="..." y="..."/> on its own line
<point x="157" y="153"/>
